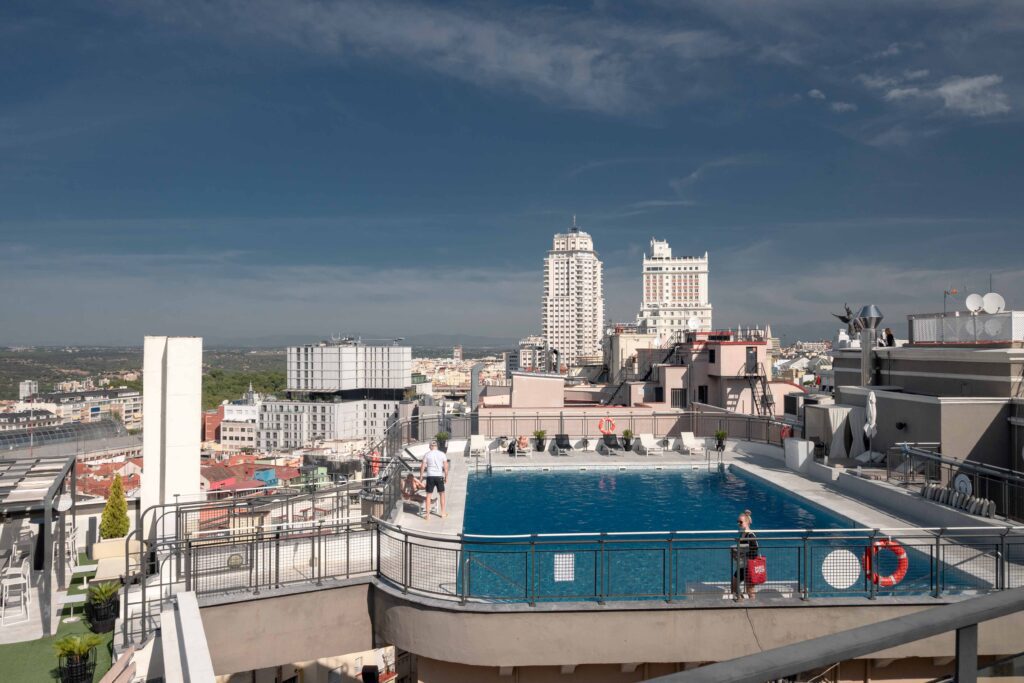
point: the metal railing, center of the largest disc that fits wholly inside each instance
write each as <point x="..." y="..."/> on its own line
<point x="668" y="566"/>
<point x="914" y="465"/>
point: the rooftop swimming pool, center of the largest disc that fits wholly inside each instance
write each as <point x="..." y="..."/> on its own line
<point x="632" y="535"/>
<point x="531" y="502"/>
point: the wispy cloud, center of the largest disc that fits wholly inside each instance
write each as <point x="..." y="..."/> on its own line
<point x="815" y="94"/>
<point x="608" y="163"/>
<point x="975" y="96"/>
<point x="842" y="107"/>
<point x="680" y="184"/>
<point x="581" y="61"/>
<point x="661" y="203"/>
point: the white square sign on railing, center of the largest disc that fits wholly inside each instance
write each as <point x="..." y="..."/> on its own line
<point x="565" y="567"/>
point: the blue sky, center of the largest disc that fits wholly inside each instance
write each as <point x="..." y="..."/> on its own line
<point x="248" y="170"/>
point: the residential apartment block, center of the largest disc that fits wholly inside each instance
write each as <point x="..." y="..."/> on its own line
<point x="675" y="293"/>
<point x="294" y="424"/>
<point x="572" y="307"/>
<point x="124" y="405"/>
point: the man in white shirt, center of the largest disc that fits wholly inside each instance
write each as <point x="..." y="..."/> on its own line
<point x="435" y="466"/>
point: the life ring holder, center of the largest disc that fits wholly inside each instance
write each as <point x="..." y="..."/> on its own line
<point x="902" y="563"/>
<point x="606" y="426"/>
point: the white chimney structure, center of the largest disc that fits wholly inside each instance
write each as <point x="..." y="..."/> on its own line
<point x="171" y="420"/>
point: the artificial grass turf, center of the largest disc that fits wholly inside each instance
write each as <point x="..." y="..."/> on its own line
<point x="35" y="661"/>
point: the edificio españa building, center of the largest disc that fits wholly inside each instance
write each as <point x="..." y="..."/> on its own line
<point x="675" y="293"/>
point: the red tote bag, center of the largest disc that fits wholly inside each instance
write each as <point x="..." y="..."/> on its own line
<point x="757" y="570"/>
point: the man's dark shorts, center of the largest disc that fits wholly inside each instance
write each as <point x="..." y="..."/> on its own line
<point x="435" y="483"/>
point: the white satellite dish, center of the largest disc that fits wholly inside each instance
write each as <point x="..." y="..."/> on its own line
<point x="693" y="323"/>
<point x="993" y="303"/>
<point x="975" y="303"/>
<point x="993" y="326"/>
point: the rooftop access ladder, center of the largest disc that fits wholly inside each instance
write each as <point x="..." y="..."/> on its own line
<point x="633" y="378"/>
<point x="760" y="395"/>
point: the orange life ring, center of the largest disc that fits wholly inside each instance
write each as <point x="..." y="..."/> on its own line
<point x="606" y="425"/>
<point x="903" y="563"/>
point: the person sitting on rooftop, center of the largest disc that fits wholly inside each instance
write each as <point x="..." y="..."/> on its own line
<point x="411" y="488"/>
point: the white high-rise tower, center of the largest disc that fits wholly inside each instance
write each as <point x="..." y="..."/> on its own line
<point x="675" y="298"/>
<point x="573" y="303"/>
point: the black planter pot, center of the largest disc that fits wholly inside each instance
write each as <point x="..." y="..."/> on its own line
<point x="102" y="616"/>
<point x="628" y="443"/>
<point x="539" y="445"/>
<point x="442" y="446"/>
<point x="720" y="445"/>
<point x="77" y="669"/>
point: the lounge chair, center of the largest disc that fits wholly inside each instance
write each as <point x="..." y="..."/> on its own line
<point x="457" y="446"/>
<point x="417" y="451"/>
<point x="610" y="445"/>
<point x="477" y="444"/>
<point x="562" y="444"/>
<point x="689" y="444"/>
<point x="646" y="444"/>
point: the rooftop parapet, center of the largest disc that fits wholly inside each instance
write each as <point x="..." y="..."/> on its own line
<point x="960" y="328"/>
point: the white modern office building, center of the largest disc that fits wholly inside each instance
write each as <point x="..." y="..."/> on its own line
<point x="532" y="355"/>
<point x="338" y="390"/>
<point x="26" y="388"/>
<point x="572" y="317"/>
<point x="675" y="293"/>
<point x="347" y="365"/>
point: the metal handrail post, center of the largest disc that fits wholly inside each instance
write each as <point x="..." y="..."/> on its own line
<point x="465" y="573"/>
<point x="670" y="574"/>
<point x="406" y="564"/>
<point x="873" y="554"/>
<point x="1002" y="563"/>
<point x="937" y="564"/>
<point x="188" y="565"/>
<point x="805" y="570"/>
<point x="277" y="559"/>
<point x="600" y="589"/>
<point x="348" y="552"/>
<point x="533" y="570"/>
<point x="320" y="553"/>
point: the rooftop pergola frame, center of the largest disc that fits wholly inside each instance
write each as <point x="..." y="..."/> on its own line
<point x="30" y="485"/>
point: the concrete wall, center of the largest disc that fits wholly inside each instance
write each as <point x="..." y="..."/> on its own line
<point x="609" y="636"/>
<point x="454" y="644"/>
<point x="979" y="432"/>
<point x="268" y="632"/>
<point x="537" y="391"/>
<point x="171" y="418"/>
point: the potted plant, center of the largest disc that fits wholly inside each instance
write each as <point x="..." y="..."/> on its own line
<point x="75" y="657"/>
<point x="627" y="439"/>
<point x="538" y="439"/>
<point x="442" y="441"/>
<point x="103" y="605"/>
<point x="720" y="439"/>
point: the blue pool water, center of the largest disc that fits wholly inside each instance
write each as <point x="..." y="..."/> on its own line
<point x="656" y="564"/>
<point x="646" y="500"/>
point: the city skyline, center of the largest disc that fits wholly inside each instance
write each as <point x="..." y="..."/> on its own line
<point x="246" y="172"/>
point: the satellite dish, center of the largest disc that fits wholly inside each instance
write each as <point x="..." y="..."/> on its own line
<point x="64" y="503"/>
<point x="974" y="303"/>
<point x="993" y="303"/>
<point x="993" y="326"/>
<point x="693" y="323"/>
